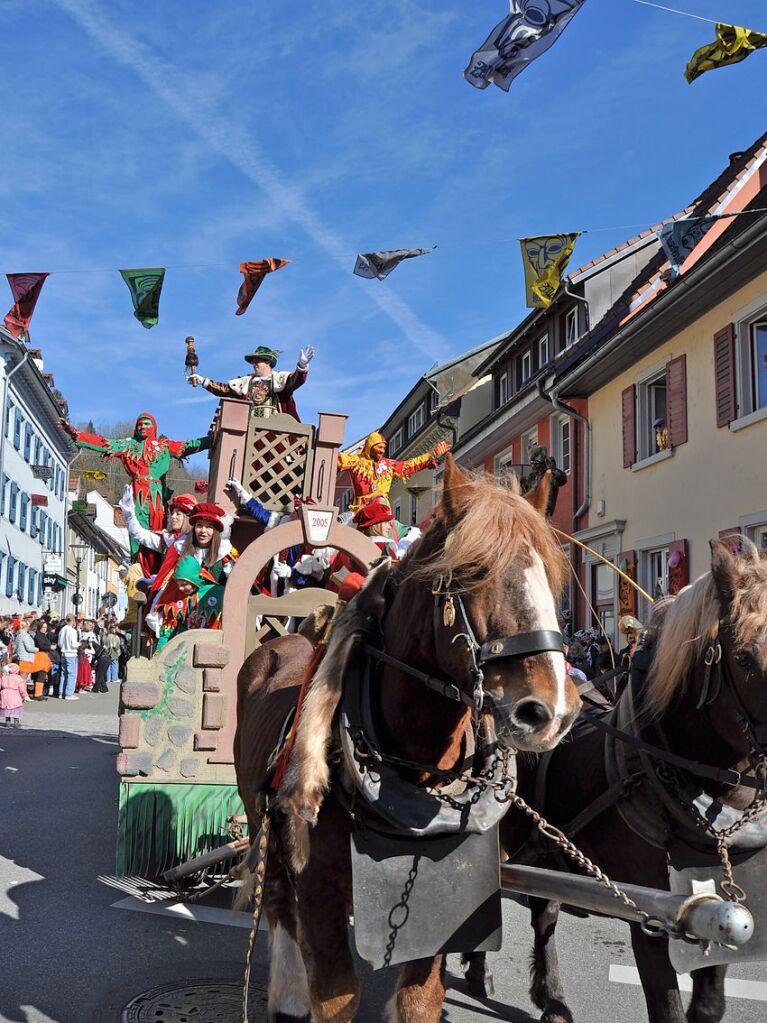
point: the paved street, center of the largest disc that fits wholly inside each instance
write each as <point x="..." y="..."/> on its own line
<point x="70" y="955"/>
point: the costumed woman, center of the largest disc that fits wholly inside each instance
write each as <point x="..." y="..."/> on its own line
<point x="205" y="543"/>
<point x="146" y="458"/>
<point x="372" y="473"/>
<point x="191" y="600"/>
<point x="179" y="510"/>
<point x="376" y="520"/>
<point x="268" y="390"/>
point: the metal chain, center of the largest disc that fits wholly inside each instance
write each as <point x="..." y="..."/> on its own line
<point x="732" y="890"/>
<point x="395" y="924"/>
<point x="484" y="781"/>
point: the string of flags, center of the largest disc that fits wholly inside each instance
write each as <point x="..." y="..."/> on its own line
<point x="533" y="26"/>
<point x="545" y="259"/>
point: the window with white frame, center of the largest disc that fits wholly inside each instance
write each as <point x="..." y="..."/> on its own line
<point x="759" y="535"/>
<point x="433" y="401"/>
<point x="413" y="509"/>
<point x="652" y="426"/>
<point x="397" y="509"/>
<point x="561" y="433"/>
<point x="655" y="572"/>
<point x="529" y="441"/>
<point x="504" y="463"/>
<point x="571" y="327"/>
<point x="527" y="366"/>
<point x="543" y="350"/>
<point x="503" y="389"/>
<point x="396" y="442"/>
<point x="415" y="421"/>
<point x="757" y="365"/>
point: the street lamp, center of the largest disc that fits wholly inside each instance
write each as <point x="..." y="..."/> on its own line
<point x="83" y="548"/>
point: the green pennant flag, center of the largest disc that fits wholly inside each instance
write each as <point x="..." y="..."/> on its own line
<point x="145" y="287"/>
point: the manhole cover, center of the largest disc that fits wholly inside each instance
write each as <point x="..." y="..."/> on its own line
<point x="205" y="1001"/>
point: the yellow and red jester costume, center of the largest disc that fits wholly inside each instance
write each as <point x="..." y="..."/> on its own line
<point x="372" y="473"/>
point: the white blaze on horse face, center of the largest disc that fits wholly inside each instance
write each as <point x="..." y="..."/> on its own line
<point x="542" y="600"/>
<point x="288" y="985"/>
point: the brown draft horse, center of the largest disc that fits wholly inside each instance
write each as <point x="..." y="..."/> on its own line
<point x="507" y="569"/>
<point x="703" y="724"/>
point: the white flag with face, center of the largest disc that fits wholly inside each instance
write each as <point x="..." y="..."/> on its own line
<point x="530" y="28"/>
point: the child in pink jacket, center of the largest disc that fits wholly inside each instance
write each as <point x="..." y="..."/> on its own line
<point x="13" y="694"/>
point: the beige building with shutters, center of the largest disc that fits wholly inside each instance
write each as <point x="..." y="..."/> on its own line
<point x="677" y="405"/>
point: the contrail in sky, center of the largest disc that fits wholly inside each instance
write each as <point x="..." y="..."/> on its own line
<point x="226" y="137"/>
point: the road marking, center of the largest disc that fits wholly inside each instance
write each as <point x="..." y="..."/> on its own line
<point x="182" y="911"/>
<point x="756" y="990"/>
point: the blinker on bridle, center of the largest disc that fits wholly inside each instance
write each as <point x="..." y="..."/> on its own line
<point x="449" y="609"/>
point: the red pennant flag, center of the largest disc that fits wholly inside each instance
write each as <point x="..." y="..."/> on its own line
<point x="25" y="289"/>
<point x="254" y="274"/>
<point x="200" y="486"/>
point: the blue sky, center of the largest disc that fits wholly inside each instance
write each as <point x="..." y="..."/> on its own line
<point x="164" y="134"/>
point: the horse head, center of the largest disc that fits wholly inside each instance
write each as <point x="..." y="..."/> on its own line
<point x="711" y="654"/>
<point x="483" y="584"/>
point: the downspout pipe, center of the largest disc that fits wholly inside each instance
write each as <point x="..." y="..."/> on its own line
<point x="568" y="410"/>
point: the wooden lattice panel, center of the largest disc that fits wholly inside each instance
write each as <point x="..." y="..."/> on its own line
<point x="278" y="460"/>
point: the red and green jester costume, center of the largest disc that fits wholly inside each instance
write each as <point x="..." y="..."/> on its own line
<point x="146" y="458"/>
<point x="200" y="609"/>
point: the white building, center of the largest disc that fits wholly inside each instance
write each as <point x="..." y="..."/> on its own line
<point x="32" y="510"/>
<point x="98" y="549"/>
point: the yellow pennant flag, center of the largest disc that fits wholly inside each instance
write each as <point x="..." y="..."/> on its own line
<point x="93" y="474"/>
<point x="732" y="45"/>
<point x="545" y="259"/>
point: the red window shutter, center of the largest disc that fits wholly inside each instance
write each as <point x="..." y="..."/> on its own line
<point x="628" y="399"/>
<point x="679" y="573"/>
<point x="627" y="595"/>
<point x="676" y="400"/>
<point x="724" y="374"/>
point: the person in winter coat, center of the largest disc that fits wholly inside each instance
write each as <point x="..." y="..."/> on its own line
<point x="24" y="651"/>
<point x="13" y="695"/>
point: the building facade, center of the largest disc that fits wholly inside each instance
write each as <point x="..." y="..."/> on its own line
<point x="98" y="550"/>
<point x="34" y="458"/>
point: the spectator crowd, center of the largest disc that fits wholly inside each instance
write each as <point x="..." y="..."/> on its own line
<point x="43" y="656"/>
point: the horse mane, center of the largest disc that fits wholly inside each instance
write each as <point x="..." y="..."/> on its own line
<point x="685" y="625"/>
<point x="495" y="528"/>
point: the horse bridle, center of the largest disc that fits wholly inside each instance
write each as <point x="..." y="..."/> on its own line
<point x="718" y="673"/>
<point x="449" y="609"/>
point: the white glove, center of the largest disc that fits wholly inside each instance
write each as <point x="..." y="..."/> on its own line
<point x="305" y="356"/>
<point x="126" y="503"/>
<point x="281" y="570"/>
<point x="196" y="379"/>
<point x="240" y="491"/>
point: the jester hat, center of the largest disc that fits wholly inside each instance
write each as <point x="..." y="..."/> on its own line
<point x="152" y="433"/>
<point x="188" y="571"/>
<point x="371" y="441"/>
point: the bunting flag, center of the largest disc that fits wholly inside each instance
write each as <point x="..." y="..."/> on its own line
<point x="145" y="287"/>
<point x="94" y="474"/>
<point x="25" y="289"/>
<point x="733" y="44"/>
<point x="680" y="237"/>
<point x="380" y="264"/>
<point x="545" y="259"/>
<point x="530" y="28"/>
<point x="254" y="274"/>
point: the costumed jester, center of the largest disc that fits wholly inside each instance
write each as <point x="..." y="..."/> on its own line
<point x="372" y="473"/>
<point x="191" y="600"/>
<point x="268" y="390"/>
<point x="146" y="458"/>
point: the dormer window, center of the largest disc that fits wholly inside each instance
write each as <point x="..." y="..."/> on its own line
<point x="543" y="350"/>
<point x="503" y="389"/>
